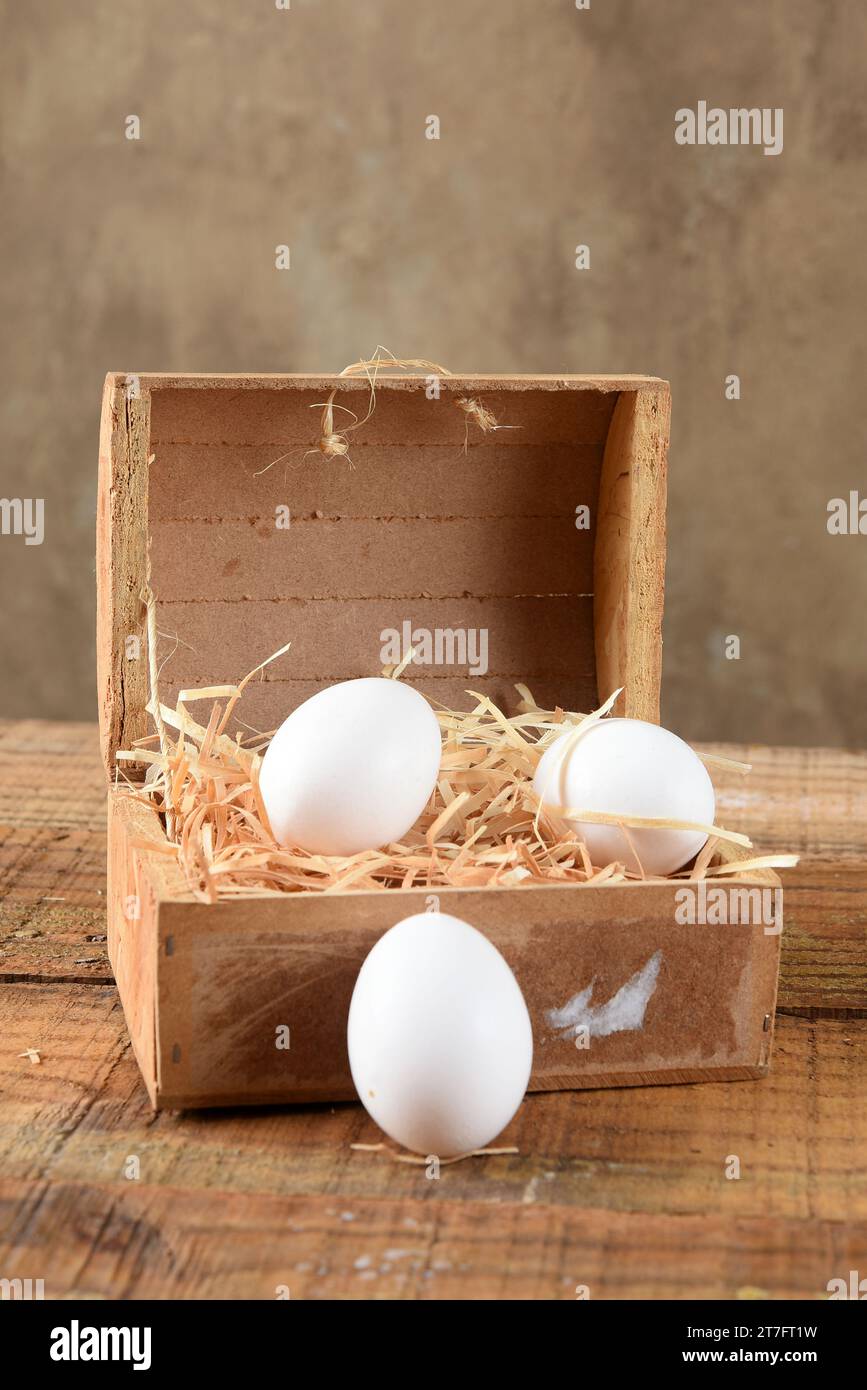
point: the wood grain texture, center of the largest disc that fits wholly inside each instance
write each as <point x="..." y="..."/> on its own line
<point x="457" y="382"/>
<point x="812" y="801"/>
<point x="623" y="1191"/>
<point x="669" y="1145"/>
<point x="544" y="642"/>
<point x="629" y="557"/>
<point x="52" y="852"/>
<point x="140" y="1242"/>
<point x="388" y="558"/>
<point x="121" y="562"/>
<point x="242" y="478"/>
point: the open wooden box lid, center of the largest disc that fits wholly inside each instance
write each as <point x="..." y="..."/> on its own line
<point x="415" y="534"/>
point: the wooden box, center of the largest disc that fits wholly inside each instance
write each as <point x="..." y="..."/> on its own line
<point x="416" y="529"/>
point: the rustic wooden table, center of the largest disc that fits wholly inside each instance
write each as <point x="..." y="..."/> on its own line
<point x="623" y="1191"/>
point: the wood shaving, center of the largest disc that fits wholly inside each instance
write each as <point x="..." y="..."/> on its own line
<point x="333" y="442"/>
<point x="480" y="415"/>
<point x="418" y="1161"/>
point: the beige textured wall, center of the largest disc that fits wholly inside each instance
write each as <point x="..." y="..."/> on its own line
<point x="307" y="127"/>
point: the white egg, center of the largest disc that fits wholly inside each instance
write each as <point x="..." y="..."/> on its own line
<point x="440" y="1043"/>
<point x="629" y="768"/>
<point x="352" y="768"/>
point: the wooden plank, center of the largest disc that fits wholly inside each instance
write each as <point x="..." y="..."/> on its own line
<point x="53" y="941"/>
<point x="345" y="558"/>
<point x="824" y="973"/>
<point x="629" y="557"/>
<point x="50" y="776"/>
<point x="810" y="800"/>
<point x="52" y="852"/>
<point x="331" y="641"/>
<point x="121" y="558"/>
<point x="287" y="411"/>
<point x="136" y="877"/>
<point x="405" y="381"/>
<point x="497" y="476"/>
<point x="49" y="865"/>
<point x="545" y="642"/>
<point x="132" y="1241"/>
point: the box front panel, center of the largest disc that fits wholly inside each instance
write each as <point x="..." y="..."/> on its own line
<point x="254" y="997"/>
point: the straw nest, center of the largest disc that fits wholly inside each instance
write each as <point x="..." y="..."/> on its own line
<point x="482" y="828"/>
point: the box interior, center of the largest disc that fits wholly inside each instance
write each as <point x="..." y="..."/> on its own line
<point x="415" y="533"/>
